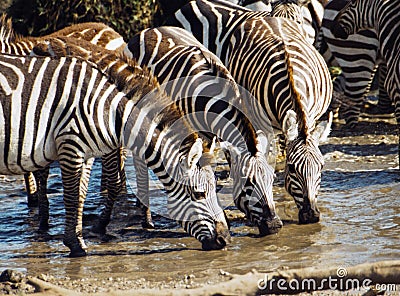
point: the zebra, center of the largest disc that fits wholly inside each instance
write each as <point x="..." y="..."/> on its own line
<point x="269" y="57"/>
<point x="95" y="33"/>
<point x="11" y="43"/>
<point x="204" y="88"/>
<point x="384" y="17"/>
<point x="358" y="57"/>
<point x="253" y="174"/>
<point x="71" y="111"/>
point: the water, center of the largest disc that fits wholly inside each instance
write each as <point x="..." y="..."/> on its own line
<point x="360" y="222"/>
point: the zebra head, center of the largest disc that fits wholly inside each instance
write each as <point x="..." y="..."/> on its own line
<point x="201" y="215"/>
<point x="304" y="162"/>
<point x="252" y="187"/>
<point x="353" y="17"/>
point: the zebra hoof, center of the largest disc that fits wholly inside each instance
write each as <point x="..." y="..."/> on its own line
<point x="33" y="200"/>
<point x="270" y="226"/>
<point x="148" y="225"/>
<point x="98" y="229"/>
<point x="43" y="226"/>
<point x="309" y="217"/>
<point x="77" y="252"/>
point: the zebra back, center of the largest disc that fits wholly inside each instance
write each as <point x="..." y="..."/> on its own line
<point x="218" y="19"/>
<point x="95" y="33"/>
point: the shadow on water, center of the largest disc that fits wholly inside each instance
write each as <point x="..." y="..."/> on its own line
<point x="361" y="150"/>
<point x="333" y="180"/>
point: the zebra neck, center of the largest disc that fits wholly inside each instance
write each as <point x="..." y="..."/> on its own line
<point x="157" y="134"/>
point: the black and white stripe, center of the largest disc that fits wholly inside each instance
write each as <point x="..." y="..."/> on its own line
<point x="71" y="112"/>
<point x="209" y="97"/>
<point x="95" y="33"/>
<point x="358" y="57"/>
<point x="271" y="59"/>
<point x="384" y="18"/>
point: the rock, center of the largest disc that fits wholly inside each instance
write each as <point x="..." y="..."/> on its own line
<point x="12" y="276"/>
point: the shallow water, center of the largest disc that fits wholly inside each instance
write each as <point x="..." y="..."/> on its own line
<point x="360" y="222"/>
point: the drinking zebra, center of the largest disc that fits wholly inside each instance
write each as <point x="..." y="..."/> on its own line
<point x="384" y="17"/>
<point x="253" y="175"/>
<point x="11" y="43"/>
<point x="209" y="97"/>
<point x="358" y="57"/>
<point x="270" y="58"/>
<point x="69" y="111"/>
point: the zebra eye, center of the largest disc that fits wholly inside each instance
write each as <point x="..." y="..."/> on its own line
<point x="198" y="195"/>
<point x="292" y="168"/>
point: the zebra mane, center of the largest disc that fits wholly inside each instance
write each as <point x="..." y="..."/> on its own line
<point x="7" y="34"/>
<point x="298" y="106"/>
<point x="288" y="10"/>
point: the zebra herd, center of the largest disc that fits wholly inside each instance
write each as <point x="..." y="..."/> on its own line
<point x="217" y="74"/>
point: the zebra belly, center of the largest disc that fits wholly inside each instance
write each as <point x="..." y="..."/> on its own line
<point x="18" y="157"/>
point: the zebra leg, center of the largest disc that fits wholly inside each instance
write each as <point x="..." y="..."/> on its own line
<point x="31" y="189"/>
<point x="104" y="178"/>
<point x="385" y="103"/>
<point x="111" y="168"/>
<point x="121" y="155"/>
<point x="41" y="177"/>
<point x="121" y="170"/>
<point x="142" y="180"/>
<point x="75" y="176"/>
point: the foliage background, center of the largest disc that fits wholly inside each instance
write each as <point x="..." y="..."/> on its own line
<point x="42" y="17"/>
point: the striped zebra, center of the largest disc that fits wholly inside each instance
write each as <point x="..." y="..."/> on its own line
<point x="71" y="112"/>
<point x="209" y="97"/>
<point x="269" y="57"/>
<point x="95" y="33"/>
<point x="358" y="57"/>
<point x="253" y="189"/>
<point x="384" y="17"/>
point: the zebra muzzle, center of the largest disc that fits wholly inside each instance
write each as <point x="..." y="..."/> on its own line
<point x="219" y="241"/>
<point x="270" y="226"/>
<point x="308" y="215"/>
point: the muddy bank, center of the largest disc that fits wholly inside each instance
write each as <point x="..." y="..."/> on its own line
<point x="369" y="279"/>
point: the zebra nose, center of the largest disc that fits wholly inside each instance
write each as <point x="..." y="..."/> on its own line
<point x="270" y="226"/>
<point x="308" y="215"/>
<point x="219" y="241"/>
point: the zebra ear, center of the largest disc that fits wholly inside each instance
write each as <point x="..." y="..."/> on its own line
<point x="213" y="145"/>
<point x="262" y="142"/>
<point x="195" y="154"/>
<point x="290" y="126"/>
<point x="321" y="132"/>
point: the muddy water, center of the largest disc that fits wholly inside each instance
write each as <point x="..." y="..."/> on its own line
<point x="360" y="222"/>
